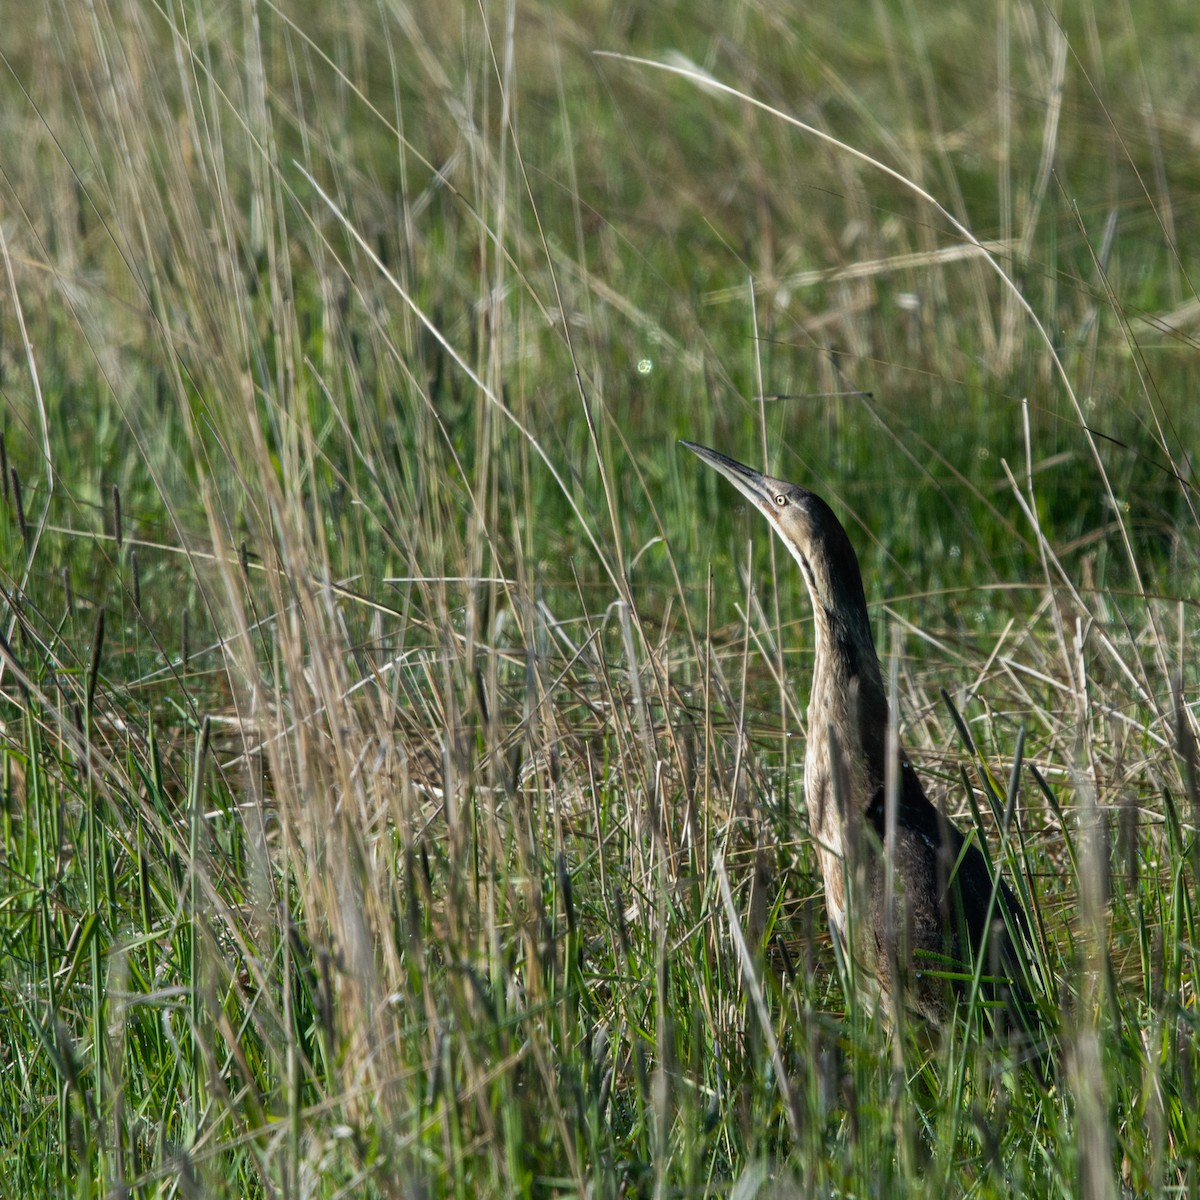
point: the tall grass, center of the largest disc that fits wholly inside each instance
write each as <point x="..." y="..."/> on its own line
<point x="401" y="739"/>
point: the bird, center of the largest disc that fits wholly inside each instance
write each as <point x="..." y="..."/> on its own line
<point x="942" y="912"/>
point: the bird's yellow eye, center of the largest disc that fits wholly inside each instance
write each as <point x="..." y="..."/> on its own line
<point x="781" y="500"/>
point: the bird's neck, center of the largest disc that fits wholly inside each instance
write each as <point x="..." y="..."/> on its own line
<point x="847" y="690"/>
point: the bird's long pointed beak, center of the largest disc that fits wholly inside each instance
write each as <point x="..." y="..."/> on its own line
<point x="754" y="485"/>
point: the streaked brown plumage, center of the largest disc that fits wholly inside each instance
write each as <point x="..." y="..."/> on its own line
<point x="943" y="892"/>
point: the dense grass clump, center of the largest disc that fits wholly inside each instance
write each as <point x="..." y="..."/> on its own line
<point x="401" y="737"/>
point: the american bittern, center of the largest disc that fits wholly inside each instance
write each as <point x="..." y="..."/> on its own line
<point x="947" y="912"/>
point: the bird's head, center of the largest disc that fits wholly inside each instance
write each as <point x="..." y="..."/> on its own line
<point x="808" y="528"/>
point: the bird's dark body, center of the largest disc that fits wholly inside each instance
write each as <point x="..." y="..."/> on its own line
<point x="946" y="893"/>
<point x="948" y="914"/>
